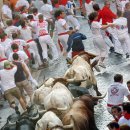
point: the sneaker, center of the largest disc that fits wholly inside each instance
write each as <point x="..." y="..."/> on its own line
<point x="97" y="68"/>
<point x="17" y="110"/>
<point x="102" y="65"/>
<point x="69" y="61"/>
<point x="127" y="55"/>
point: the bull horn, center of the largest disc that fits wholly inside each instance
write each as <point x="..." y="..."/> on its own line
<point x="101" y="97"/>
<point x="71" y="124"/>
<point x="62" y="109"/>
<point x="11" y="123"/>
<point x="42" y="111"/>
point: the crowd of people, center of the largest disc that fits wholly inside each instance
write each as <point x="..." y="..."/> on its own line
<point x="26" y="42"/>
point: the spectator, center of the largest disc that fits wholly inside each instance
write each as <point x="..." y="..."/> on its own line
<point x="128" y="84"/>
<point x="113" y="126"/>
<point x="125" y="119"/>
<point x="116" y="92"/>
<point x="116" y="112"/>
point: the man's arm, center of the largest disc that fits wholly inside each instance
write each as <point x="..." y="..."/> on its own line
<point x="128" y="97"/>
<point x="25" y="70"/>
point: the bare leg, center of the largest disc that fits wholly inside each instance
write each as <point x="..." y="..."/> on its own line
<point x="22" y="103"/>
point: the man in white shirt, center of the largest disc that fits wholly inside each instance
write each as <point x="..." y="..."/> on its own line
<point x="21" y="3"/>
<point x="121" y="26"/>
<point x="11" y="28"/>
<point x="6" y="11"/>
<point x="47" y="10"/>
<point x="125" y="119"/>
<point x="9" y="87"/>
<point x="116" y="92"/>
<point x="121" y="4"/>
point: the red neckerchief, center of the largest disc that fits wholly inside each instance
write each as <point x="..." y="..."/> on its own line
<point x="59" y="17"/>
<point x="32" y="20"/>
<point x="24" y="27"/>
<point x="88" y="1"/>
<point x="16" y="50"/>
<point x="3" y="39"/>
<point x="8" y="68"/>
<point x="41" y="20"/>
<point x="127" y="116"/>
<point x="57" y="5"/>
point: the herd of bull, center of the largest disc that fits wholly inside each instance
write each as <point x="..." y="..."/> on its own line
<point x="57" y="106"/>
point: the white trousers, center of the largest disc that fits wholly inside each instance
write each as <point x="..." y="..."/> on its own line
<point x="73" y="22"/>
<point x="44" y="41"/>
<point x="33" y="49"/>
<point x="117" y="44"/>
<point x="125" y="42"/>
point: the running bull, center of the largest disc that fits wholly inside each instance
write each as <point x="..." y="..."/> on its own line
<point x="81" y="69"/>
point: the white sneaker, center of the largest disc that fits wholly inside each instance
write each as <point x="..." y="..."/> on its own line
<point x="97" y="68"/>
<point x="101" y="64"/>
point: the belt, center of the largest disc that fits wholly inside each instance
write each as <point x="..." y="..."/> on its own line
<point x="2" y="59"/>
<point x="44" y="34"/>
<point x="110" y="105"/>
<point x="62" y="34"/>
<point x="31" y="40"/>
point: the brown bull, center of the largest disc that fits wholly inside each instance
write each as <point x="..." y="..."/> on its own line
<point x="81" y="115"/>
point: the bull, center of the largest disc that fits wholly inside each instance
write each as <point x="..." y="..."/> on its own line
<point x="81" y="114"/>
<point x="81" y="69"/>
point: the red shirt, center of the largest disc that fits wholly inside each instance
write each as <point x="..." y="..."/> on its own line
<point x="106" y="15"/>
<point x="63" y="2"/>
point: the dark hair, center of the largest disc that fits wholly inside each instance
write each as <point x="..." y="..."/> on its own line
<point x="116" y="107"/>
<point x="70" y="28"/>
<point x="30" y="16"/>
<point x="35" y="10"/>
<point x="44" y="1"/>
<point x="22" y="22"/>
<point x="119" y="13"/>
<point x="96" y="7"/>
<point x="118" y="78"/>
<point x="9" y="22"/>
<point x="15" y="56"/>
<point x="22" y="8"/>
<point x="92" y="16"/>
<point x="14" y="46"/>
<point x="40" y="16"/>
<point x="58" y="13"/>
<point x="128" y="82"/>
<point x="124" y="127"/>
<point x="113" y="125"/>
<point x="126" y="107"/>
<point x="14" y="35"/>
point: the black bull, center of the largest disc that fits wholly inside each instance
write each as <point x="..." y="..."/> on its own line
<point x="26" y="121"/>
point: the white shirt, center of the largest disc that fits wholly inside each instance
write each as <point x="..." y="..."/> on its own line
<point x="6" y="44"/>
<point x="2" y="52"/>
<point x="26" y="33"/>
<point x="121" y="4"/>
<point x="21" y="3"/>
<point x="7" y="11"/>
<point x="7" y="78"/>
<point x="34" y="25"/>
<point x="10" y="30"/>
<point x="59" y="26"/>
<point x="121" y="25"/>
<point x="89" y="7"/>
<point x="42" y="28"/>
<point x="22" y="56"/>
<point x="21" y="43"/>
<point x="116" y="93"/>
<point x="96" y="29"/>
<point x="123" y="121"/>
<point x="46" y="10"/>
<point x="35" y="16"/>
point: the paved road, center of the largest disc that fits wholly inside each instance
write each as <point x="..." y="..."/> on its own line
<point x="105" y="78"/>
